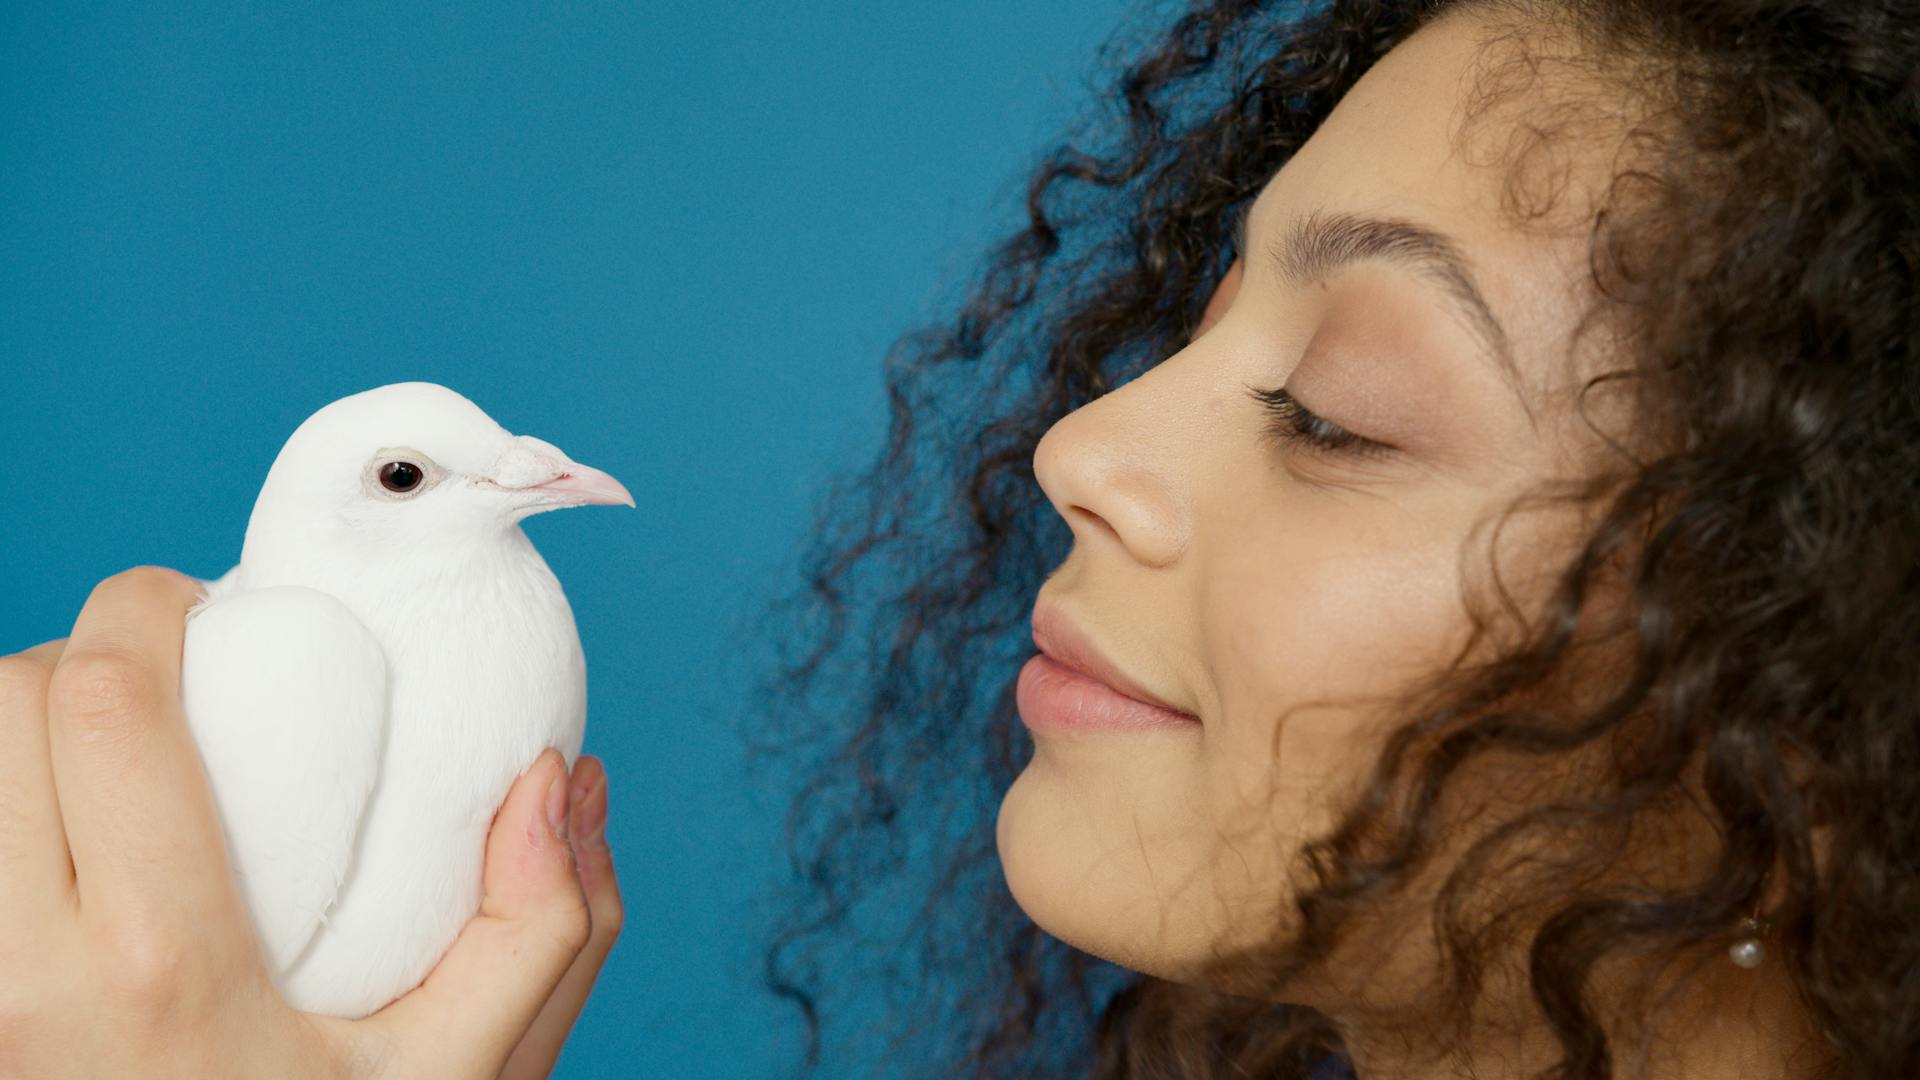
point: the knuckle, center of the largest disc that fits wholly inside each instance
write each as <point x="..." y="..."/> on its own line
<point x="608" y="920"/>
<point x="571" y="929"/>
<point x="142" y="971"/>
<point x="23" y="680"/>
<point x="100" y="686"/>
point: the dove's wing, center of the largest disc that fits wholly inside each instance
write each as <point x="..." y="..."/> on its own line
<point x="286" y="693"/>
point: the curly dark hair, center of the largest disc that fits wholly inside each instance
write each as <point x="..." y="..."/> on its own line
<point x="1756" y="262"/>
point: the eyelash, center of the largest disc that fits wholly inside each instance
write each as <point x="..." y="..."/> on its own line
<point x="1293" y="424"/>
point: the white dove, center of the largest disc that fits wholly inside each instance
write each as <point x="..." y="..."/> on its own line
<point x="366" y="684"/>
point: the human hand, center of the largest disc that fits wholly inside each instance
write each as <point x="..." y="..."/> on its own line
<point x="125" y="948"/>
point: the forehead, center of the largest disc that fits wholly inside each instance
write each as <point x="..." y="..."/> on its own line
<point x="1463" y="129"/>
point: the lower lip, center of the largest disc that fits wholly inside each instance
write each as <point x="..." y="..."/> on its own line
<point x="1054" y="697"/>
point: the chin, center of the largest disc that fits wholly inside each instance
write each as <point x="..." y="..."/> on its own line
<point x="1134" y="872"/>
<point x="1103" y="904"/>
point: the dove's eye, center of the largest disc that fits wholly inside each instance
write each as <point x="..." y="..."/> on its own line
<point x="399" y="473"/>
<point x="401" y="476"/>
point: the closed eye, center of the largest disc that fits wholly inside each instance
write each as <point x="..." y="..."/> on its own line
<point x="1296" y="426"/>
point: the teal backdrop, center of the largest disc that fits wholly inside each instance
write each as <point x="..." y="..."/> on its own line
<point x="674" y="238"/>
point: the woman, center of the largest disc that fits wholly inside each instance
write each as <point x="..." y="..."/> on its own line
<point x="1484" y="437"/>
<point x="1478" y="644"/>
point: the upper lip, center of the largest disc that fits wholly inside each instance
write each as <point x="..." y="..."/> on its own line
<point x="1063" y="642"/>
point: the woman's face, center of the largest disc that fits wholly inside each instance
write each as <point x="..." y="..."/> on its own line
<point x="1230" y="568"/>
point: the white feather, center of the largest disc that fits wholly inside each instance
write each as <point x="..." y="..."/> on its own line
<point x="368" y="682"/>
<point x="286" y="694"/>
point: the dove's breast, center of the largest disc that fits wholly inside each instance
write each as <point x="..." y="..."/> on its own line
<point x="485" y="671"/>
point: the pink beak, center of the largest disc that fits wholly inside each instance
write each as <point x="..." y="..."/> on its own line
<point x="583" y="485"/>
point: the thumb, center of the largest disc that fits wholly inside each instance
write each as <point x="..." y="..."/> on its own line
<point x="473" y="1008"/>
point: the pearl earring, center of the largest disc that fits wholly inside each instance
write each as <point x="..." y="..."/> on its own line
<point x="1748" y="952"/>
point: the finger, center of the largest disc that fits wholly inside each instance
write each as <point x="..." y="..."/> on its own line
<point x="146" y="843"/>
<point x="477" y="1003"/>
<point x="540" y="1048"/>
<point x="36" y="880"/>
<point x="47" y="651"/>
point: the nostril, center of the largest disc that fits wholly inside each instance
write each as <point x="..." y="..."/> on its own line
<point x="1094" y="518"/>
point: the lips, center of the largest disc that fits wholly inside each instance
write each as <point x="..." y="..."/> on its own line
<point x="1071" y="686"/>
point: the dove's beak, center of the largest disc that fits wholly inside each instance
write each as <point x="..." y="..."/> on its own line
<point x="584" y="485"/>
<point x="541" y="477"/>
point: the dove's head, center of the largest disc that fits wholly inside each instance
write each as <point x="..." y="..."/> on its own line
<point x="411" y="467"/>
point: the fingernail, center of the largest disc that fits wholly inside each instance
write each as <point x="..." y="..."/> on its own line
<point x="590" y="828"/>
<point x="557" y="804"/>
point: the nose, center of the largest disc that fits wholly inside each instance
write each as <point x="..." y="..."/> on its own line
<point x="1111" y="468"/>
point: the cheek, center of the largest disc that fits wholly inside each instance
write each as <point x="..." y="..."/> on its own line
<point x="1309" y="631"/>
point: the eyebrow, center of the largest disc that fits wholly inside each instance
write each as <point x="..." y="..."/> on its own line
<point x="1320" y="244"/>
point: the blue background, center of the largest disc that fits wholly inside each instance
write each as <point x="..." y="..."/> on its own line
<point x="674" y="239"/>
